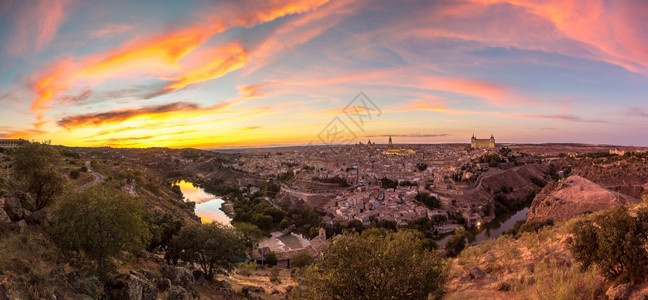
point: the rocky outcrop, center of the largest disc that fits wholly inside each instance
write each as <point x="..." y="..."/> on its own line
<point x="571" y="197"/>
<point x="131" y="286"/>
<point x="13" y="208"/>
<point x="619" y="292"/>
<point x="178" y="275"/>
<point x="4" y="218"/>
<point x="177" y="293"/>
<point x="477" y="273"/>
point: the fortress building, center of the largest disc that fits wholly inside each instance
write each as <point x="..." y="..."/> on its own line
<point x="476" y="143"/>
<point x="12" y="143"/>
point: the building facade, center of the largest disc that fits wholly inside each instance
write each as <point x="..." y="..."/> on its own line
<point x="12" y="143"/>
<point x="476" y="143"/>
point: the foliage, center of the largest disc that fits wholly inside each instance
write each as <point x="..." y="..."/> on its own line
<point x="421" y="167"/>
<point x="388" y="183"/>
<point x="301" y="260"/>
<point x="491" y="159"/>
<point x="615" y="243"/>
<point x="455" y="244"/>
<point x="101" y="223"/>
<point x="250" y="231"/>
<point x="246" y="268"/>
<point x="286" y="175"/>
<point x="274" y="275"/>
<point x="163" y="226"/>
<point x="214" y="247"/>
<point x="378" y="264"/>
<point x="74" y="174"/>
<point x="523" y="226"/>
<point x="430" y="201"/>
<point x="36" y="165"/>
<point x="271" y="258"/>
<point x="335" y="179"/>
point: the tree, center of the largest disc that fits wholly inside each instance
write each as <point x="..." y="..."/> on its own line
<point x="162" y="227"/>
<point x="36" y="165"/>
<point x="615" y="242"/>
<point x="378" y="264"/>
<point x="101" y="223"/>
<point x="301" y="260"/>
<point x="213" y="246"/>
<point x="270" y="258"/>
<point x="455" y="244"/>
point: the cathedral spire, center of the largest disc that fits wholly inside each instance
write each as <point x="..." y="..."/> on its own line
<point x="390" y="144"/>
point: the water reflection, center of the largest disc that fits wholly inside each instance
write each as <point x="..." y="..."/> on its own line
<point x="208" y="206"/>
<point x="491" y="230"/>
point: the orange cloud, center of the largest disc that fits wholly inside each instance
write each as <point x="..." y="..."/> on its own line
<point x="160" y="56"/>
<point x="123" y="115"/>
<point x="224" y="60"/>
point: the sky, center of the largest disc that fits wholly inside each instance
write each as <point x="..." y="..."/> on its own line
<point x="211" y="74"/>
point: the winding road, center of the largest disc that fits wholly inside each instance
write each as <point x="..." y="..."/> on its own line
<point x="97" y="177"/>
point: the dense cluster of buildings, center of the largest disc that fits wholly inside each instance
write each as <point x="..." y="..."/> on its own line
<point x="12" y="143"/>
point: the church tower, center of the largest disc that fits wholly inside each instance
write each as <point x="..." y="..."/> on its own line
<point x="390" y="145"/>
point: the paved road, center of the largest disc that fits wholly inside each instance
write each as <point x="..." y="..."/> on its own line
<point x="97" y="177"/>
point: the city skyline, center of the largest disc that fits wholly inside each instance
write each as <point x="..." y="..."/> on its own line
<point x="244" y="73"/>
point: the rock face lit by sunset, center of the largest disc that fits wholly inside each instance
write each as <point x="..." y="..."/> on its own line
<point x="210" y="74"/>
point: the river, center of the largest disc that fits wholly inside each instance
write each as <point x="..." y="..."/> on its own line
<point x="208" y="206"/>
<point x="492" y="229"/>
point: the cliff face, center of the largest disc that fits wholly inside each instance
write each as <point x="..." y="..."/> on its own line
<point x="571" y="197"/>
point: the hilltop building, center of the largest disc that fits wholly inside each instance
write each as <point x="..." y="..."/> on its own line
<point x="476" y="143"/>
<point x="12" y="143"/>
<point x="391" y="150"/>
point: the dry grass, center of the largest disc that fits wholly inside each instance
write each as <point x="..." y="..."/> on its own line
<point x="534" y="266"/>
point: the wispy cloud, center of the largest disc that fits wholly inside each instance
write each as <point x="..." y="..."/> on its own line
<point x="36" y="24"/>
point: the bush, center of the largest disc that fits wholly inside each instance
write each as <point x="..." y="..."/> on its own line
<point x="74" y="174"/>
<point x="271" y="258"/>
<point x="378" y="264"/>
<point x="301" y="260"/>
<point x="615" y="243"/>
<point x="455" y="244"/>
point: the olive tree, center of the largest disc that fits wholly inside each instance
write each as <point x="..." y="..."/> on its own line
<point x="378" y="264"/>
<point x="100" y="222"/>
<point x="36" y="165"/>
<point x="214" y="247"/>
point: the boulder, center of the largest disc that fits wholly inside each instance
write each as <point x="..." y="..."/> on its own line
<point x="13" y="209"/>
<point x="177" y="293"/>
<point x="38" y="217"/>
<point x="619" y="292"/>
<point x="26" y="201"/>
<point x="252" y="289"/>
<point x="178" y="275"/>
<point x="4" y="218"/>
<point x="255" y="296"/>
<point x="163" y="284"/>
<point x="477" y="273"/>
<point x="130" y="286"/>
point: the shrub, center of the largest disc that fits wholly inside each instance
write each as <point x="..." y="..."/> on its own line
<point x="271" y="258"/>
<point x="615" y="243"/>
<point x="378" y="264"/>
<point x="74" y="174"/>
<point x="36" y="165"/>
<point x="455" y="244"/>
<point x="301" y="260"/>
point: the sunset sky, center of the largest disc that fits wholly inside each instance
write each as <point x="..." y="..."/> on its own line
<point x="212" y="74"/>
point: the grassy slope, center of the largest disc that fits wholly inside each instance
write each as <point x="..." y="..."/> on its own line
<point x="533" y="266"/>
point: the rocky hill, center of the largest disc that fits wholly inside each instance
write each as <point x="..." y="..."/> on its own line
<point x="571" y="197"/>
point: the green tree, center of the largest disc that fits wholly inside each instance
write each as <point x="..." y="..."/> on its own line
<point x="214" y="247"/>
<point x="378" y="264"/>
<point x="615" y="242"/>
<point x="301" y="260"/>
<point x="163" y="226"/>
<point x="36" y="164"/>
<point x="101" y="223"/>
<point x="271" y="258"/>
<point x="455" y="244"/>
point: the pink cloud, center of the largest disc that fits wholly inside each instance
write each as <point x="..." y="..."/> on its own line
<point x="37" y="25"/>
